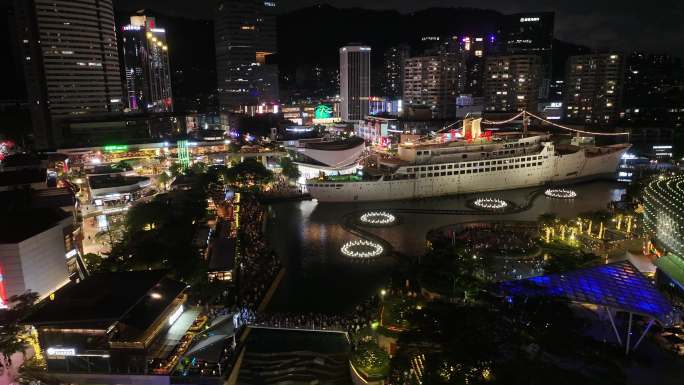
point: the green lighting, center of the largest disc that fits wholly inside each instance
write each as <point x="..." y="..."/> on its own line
<point x="323" y="111"/>
<point x="116" y="148"/>
<point x="183" y="154"/>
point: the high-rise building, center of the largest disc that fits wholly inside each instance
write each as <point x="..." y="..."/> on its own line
<point x="245" y="37"/>
<point x="476" y="49"/>
<point x="354" y="81"/>
<point x="70" y="60"/>
<point x="654" y="88"/>
<point x="146" y="66"/>
<point x="532" y="33"/>
<point x="511" y="82"/>
<point x="593" y="87"/>
<point x="435" y="82"/>
<point x="395" y="58"/>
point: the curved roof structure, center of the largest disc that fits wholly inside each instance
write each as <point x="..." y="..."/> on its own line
<point x="619" y="286"/>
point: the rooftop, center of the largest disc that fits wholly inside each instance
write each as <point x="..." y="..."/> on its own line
<point x="134" y="298"/>
<point x="46" y="198"/>
<point x="334" y="145"/>
<point x="21" y="224"/>
<point x="616" y="285"/>
<point x="109" y="181"/>
<point x="22" y="176"/>
<point x="673" y="266"/>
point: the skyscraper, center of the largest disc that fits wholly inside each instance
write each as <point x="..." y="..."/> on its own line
<point x="146" y="66"/>
<point x="354" y="81"/>
<point x="245" y="34"/>
<point x="532" y="33"/>
<point x="593" y="87"/>
<point x="71" y="62"/>
<point x="511" y="82"/>
<point x="435" y="81"/>
<point x="395" y="57"/>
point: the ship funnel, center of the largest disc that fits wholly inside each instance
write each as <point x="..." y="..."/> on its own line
<point x="471" y="128"/>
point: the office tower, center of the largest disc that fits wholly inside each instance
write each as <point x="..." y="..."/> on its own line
<point x="476" y="49"/>
<point x="435" y="82"/>
<point x="146" y="66"/>
<point x="532" y="33"/>
<point x="354" y="81"/>
<point x="593" y="87"/>
<point x="395" y="58"/>
<point x="245" y="34"/>
<point x="71" y="62"/>
<point x="511" y="82"/>
<point x="650" y="91"/>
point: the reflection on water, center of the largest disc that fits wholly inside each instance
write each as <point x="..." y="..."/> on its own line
<point x="307" y="236"/>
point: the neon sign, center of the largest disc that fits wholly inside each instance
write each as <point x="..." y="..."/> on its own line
<point x="51" y="351"/>
<point x="116" y="148"/>
<point x="323" y="111"/>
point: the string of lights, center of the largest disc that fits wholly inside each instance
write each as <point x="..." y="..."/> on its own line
<point x="576" y="130"/>
<point x="492" y="122"/>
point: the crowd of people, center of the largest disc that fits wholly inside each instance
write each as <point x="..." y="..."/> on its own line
<point x="257" y="266"/>
<point x="497" y="240"/>
<point x="350" y="323"/>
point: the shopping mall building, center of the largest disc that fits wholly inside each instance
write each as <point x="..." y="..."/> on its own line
<point x="663" y="220"/>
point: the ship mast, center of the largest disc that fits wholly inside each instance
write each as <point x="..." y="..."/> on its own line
<point x="526" y="121"/>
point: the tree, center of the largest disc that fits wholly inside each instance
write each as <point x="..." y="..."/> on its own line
<point x="547" y="219"/>
<point x="560" y="262"/>
<point x="163" y="179"/>
<point x="249" y="172"/>
<point x="176" y="169"/>
<point x="93" y="261"/>
<point x="290" y="170"/>
<point x="198" y="168"/>
<point x="12" y="338"/>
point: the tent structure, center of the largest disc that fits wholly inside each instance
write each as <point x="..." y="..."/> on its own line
<point x="616" y="287"/>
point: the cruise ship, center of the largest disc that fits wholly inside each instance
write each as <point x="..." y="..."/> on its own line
<point x="501" y="162"/>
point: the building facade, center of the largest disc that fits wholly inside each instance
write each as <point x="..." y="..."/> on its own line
<point x="395" y="58"/>
<point x="593" y="87"/>
<point x="36" y="248"/>
<point x="511" y="83"/>
<point x="532" y="33"/>
<point x="146" y="66"/>
<point x="355" y="76"/>
<point x="245" y="38"/>
<point x="435" y="81"/>
<point x="71" y="63"/>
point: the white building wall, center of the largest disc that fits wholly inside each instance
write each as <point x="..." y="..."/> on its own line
<point x="43" y="264"/>
<point x="12" y="273"/>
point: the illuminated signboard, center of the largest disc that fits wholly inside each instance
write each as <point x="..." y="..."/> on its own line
<point x="116" y="148"/>
<point x="61" y="352"/>
<point x="529" y="19"/>
<point x="323" y="111"/>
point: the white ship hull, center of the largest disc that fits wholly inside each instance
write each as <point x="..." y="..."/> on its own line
<point x="542" y="168"/>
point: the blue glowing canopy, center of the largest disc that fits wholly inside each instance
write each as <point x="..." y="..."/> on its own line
<point x="619" y="286"/>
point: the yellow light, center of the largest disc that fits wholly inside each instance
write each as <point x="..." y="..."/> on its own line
<point x="154" y="39"/>
<point x="159" y="43"/>
<point x="149" y="35"/>
<point x="165" y="48"/>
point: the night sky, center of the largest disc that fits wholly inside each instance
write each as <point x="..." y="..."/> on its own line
<point x="655" y="26"/>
